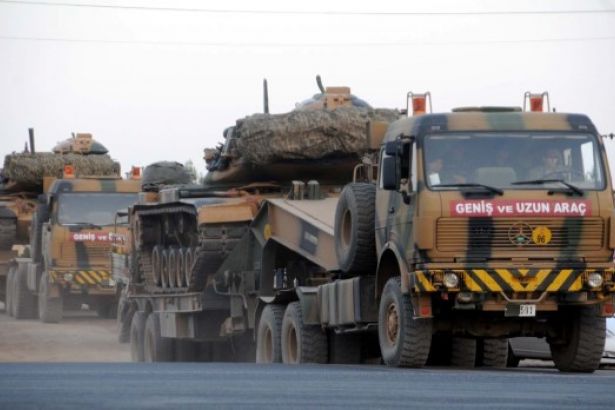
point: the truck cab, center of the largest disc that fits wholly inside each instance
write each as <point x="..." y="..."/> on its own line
<point x="499" y="224"/>
<point x="69" y="264"/>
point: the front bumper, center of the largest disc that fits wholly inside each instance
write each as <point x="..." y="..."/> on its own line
<point x="91" y="281"/>
<point x="496" y="288"/>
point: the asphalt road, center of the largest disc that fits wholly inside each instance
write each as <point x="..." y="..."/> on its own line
<point x="213" y="385"/>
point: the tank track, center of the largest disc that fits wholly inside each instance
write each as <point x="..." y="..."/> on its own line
<point x="216" y="241"/>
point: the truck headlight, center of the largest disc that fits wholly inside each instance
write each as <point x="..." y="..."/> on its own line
<point x="451" y="280"/>
<point x="68" y="277"/>
<point x="594" y="280"/>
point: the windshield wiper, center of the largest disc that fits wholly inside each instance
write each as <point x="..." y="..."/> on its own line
<point x="471" y="185"/>
<point x="572" y="188"/>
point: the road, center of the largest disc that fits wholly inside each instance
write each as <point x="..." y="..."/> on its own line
<point x="82" y="337"/>
<point x="214" y="385"/>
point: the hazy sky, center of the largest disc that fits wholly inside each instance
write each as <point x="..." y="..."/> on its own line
<point x="154" y="84"/>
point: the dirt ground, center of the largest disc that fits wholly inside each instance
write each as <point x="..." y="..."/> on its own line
<point x="80" y="337"/>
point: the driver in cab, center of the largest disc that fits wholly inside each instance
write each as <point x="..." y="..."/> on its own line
<point x="552" y="166"/>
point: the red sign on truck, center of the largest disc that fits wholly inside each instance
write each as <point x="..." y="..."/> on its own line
<point x="520" y="208"/>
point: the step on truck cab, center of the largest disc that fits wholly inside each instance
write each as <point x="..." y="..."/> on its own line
<point x="68" y="263"/>
<point x="491" y="223"/>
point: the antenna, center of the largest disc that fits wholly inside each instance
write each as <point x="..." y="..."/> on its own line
<point x="265" y="97"/>
<point x="319" y="84"/>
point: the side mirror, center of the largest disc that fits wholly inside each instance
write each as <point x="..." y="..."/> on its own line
<point x="393" y="148"/>
<point x="390" y="179"/>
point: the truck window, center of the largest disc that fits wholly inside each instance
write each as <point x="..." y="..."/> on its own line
<point x="92" y="207"/>
<point x="501" y="159"/>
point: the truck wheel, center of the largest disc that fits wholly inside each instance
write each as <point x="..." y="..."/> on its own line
<point x="8" y="299"/>
<point x="355" y="243"/>
<point x="24" y="302"/>
<point x="41" y="215"/>
<point x="269" y="335"/>
<point x="494" y="353"/>
<point x="345" y="348"/>
<point x="124" y="317"/>
<point x="512" y="360"/>
<point x="583" y="344"/>
<point x="404" y="341"/>
<point x="8" y="233"/>
<point x="302" y="343"/>
<point x="155" y="347"/>
<point x="463" y="352"/>
<point x="49" y="309"/>
<point x="137" y="328"/>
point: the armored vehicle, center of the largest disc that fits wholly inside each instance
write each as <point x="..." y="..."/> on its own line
<point x="195" y="287"/>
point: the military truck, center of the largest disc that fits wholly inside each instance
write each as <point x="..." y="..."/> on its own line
<point x="22" y="182"/>
<point x="67" y="263"/>
<point x="459" y="233"/>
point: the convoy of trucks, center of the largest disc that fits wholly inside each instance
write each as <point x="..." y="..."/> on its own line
<point x="433" y="239"/>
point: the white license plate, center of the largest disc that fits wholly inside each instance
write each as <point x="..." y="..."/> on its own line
<point x="516" y="310"/>
<point x="527" y="310"/>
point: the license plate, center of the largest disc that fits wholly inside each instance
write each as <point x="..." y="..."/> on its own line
<point x="516" y="310"/>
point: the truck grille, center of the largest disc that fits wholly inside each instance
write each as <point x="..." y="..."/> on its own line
<point x="476" y="234"/>
<point x="85" y="252"/>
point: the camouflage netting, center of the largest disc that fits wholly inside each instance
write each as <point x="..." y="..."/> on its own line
<point x="26" y="171"/>
<point x="266" y="138"/>
<point x="164" y="173"/>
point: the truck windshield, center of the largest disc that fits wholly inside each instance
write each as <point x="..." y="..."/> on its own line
<point x="511" y="161"/>
<point x="92" y="208"/>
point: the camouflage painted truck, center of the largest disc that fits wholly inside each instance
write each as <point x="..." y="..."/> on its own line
<point x="22" y="183"/>
<point x="67" y="262"/>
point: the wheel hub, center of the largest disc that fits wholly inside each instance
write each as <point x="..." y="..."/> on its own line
<point x="392" y="323"/>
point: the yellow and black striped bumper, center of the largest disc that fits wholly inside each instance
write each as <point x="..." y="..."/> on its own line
<point x="511" y="280"/>
<point x="83" y="277"/>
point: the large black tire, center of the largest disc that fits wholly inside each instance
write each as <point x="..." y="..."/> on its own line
<point x="302" y="343"/>
<point x="49" y="308"/>
<point x="155" y="347"/>
<point x="125" y="310"/>
<point x="269" y="335"/>
<point x="24" y="301"/>
<point x="512" y="360"/>
<point x="463" y="352"/>
<point x="345" y="348"/>
<point x="137" y="329"/>
<point x="582" y="349"/>
<point x="493" y="353"/>
<point x="355" y="243"/>
<point x="8" y="233"/>
<point x="8" y="299"/>
<point x="40" y="216"/>
<point x="404" y="341"/>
